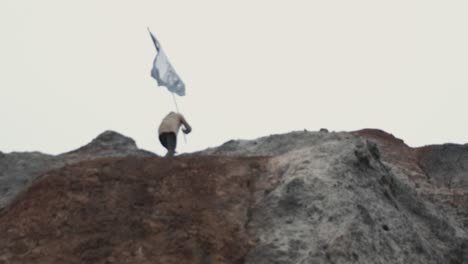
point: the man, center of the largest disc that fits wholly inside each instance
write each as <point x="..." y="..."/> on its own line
<point x="168" y="131"/>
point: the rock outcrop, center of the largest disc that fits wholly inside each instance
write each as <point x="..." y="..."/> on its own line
<point x="358" y="197"/>
<point x="301" y="197"/>
<point x="134" y="210"/>
<point x="19" y="169"/>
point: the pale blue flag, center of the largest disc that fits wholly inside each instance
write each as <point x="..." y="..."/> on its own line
<point x="163" y="71"/>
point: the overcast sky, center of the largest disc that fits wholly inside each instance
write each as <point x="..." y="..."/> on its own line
<point x="70" y="70"/>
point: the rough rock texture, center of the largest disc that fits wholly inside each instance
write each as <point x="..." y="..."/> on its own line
<point x="331" y="199"/>
<point x="272" y="145"/>
<point x="301" y="197"/>
<point x="18" y="170"/>
<point x="445" y="165"/>
<point x="437" y="173"/>
<point x="134" y="210"/>
<point x="107" y="144"/>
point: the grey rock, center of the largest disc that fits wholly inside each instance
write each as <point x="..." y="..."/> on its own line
<point x="446" y="165"/>
<point x="329" y="198"/>
<point x="18" y="170"/>
<point x="107" y="144"/>
<point x="272" y="145"/>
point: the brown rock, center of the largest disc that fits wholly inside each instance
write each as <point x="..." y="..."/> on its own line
<point x="134" y="210"/>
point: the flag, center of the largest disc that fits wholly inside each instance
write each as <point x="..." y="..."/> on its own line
<point x="163" y="71"/>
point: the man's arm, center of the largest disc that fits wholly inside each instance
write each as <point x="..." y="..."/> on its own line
<point x="187" y="128"/>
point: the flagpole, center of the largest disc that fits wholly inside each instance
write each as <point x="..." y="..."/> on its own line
<point x="175" y="102"/>
<point x="177" y="108"/>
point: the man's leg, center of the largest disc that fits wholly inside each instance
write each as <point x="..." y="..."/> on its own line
<point x="171" y="140"/>
<point x="163" y="140"/>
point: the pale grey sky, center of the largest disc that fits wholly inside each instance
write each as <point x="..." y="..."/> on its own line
<point x="72" y="69"/>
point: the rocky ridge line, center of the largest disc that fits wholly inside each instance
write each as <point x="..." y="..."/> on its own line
<point x="319" y="197"/>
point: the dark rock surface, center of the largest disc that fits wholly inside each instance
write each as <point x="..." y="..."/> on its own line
<point x="134" y="210"/>
<point x="19" y="169"/>
<point x="445" y="165"/>
<point x="300" y="197"/>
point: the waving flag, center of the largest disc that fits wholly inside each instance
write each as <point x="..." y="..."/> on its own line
<point x="163" y="71"/>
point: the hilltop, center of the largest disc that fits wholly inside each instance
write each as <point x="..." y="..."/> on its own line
<point x="301" y="197"/>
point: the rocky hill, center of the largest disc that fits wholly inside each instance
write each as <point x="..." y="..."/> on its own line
<point x="19" y="169"/>
<point x="301" y="197"/>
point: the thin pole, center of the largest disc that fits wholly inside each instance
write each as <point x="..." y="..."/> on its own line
<point x="177" y="108"/>
<point x="175" y="102"/>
